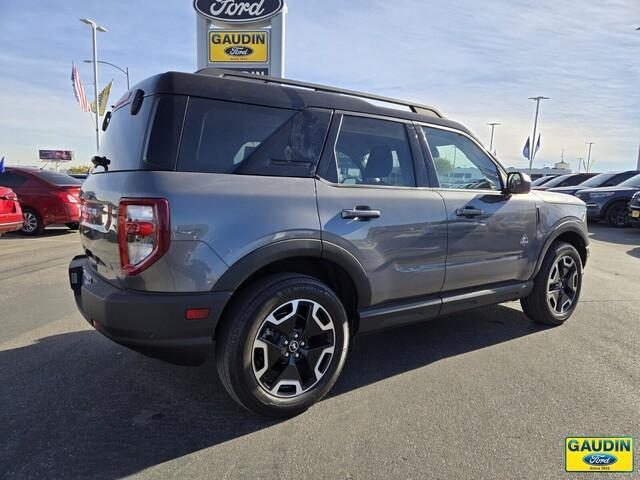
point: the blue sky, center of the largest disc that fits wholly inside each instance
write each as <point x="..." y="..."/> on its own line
<point x="476" y="61"/>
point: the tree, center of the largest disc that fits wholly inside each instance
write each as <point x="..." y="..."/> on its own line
<point x="443" y="166"/>
<point x="79" y="169"/>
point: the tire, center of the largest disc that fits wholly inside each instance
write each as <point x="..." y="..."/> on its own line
<point x="73" y="226"/>
<point x="546" y="303"/>
<point x="265" y="340"/>
<point x="32" y="225"/>
<point x="616" y="215"/>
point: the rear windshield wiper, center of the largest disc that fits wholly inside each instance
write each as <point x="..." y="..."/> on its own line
<point x="101" y="162"/>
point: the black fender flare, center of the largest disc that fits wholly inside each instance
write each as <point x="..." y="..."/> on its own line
<point x="561" y="227"/>
<point x="242" y="269"/>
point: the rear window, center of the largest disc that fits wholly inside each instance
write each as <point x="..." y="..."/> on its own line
<point x="230" y="137"/>
<point x="147" y="140"/>
<point x="56" y="178"/>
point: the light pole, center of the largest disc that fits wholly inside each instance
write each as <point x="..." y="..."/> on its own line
<point x="95" y="28"/>
<point x="532" y="148"/>
<point x="580" y="163"/>
<point x="493" y="126"/>
<point x="589" y="156"/>
<point x="125" y="70"/>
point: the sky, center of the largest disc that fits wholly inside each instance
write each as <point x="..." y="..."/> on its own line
<point x="477" y="62"/>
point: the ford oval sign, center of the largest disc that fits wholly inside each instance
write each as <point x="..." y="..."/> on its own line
<point x="238" y="11"/>
<point x="600" y="459"/>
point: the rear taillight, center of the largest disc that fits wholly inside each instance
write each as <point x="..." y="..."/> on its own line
<point x="67" y="197"/>
<point x="143" y="232"/>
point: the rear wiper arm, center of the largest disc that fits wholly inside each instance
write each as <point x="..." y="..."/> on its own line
<point x="101" y="162"/>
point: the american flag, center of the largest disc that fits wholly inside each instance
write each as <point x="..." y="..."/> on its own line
<point x="78" y="89"/>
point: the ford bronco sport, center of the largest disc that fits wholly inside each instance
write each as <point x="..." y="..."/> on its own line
<point x="277" y="219"/>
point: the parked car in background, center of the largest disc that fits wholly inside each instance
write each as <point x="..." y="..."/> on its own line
<point x="47" y="197"/>
<point x="542" y="180"/>
<point x="610" y="179"/>
<point x="610" y="203"/>
<point x="634" y="210"/>
<point x="567" y="180"/>
<point x="10" y="211"/>
<point x="79" y="176"/>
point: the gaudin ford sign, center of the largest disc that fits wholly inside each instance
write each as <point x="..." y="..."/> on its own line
<point x="238" y="11"/>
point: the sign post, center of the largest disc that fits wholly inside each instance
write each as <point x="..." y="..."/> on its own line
<point x="241" y="35"/>
<point x="56" y="156"/>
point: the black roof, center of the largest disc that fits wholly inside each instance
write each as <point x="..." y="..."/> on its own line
<point x="284" y="93"/>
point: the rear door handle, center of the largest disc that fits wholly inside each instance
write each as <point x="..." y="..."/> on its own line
<point x="469" y="212"/>
<point x="361" y="212"/>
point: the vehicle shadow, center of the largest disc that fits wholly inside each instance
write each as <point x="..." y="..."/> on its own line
<point x="622" y="236"/>
<point x="76" y="405"/>
<point x="48" y="232"/>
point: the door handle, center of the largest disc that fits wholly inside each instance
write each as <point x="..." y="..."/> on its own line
<point x="361" y="212"/>
<point x="469" y="212"/>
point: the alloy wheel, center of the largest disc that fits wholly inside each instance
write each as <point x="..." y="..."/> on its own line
<point x="618" y="215"/>
<point x="293" y="348"/>
<point x="30" y="222"/>
<point x="562" y="285"/>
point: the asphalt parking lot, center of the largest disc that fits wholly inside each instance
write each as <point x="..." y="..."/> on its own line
<point x="485" y="394"/>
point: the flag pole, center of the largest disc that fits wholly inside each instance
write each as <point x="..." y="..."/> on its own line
<point x="532" y="148"/>
<point x="95" y="28"/>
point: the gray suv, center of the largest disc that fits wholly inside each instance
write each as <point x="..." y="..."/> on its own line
<point x="278" y="219"/>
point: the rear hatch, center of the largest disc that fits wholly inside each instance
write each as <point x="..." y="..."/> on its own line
<point x="140" y="135"/>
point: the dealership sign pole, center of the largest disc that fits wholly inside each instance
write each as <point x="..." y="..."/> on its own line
<point x="241" y="35"/>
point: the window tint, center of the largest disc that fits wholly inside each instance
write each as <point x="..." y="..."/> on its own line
<point x="633" y="182"/>
<point x="11" y="179"/>
<point x="573" y="180"/>
<point x="459" y="162"/>
<point x="603" y="179"/>
<point x="124" y="137"/>
<point x="164" y="135"/>
<point x="542" y="180"/>
<point x="373" y="152"/>
<point x="56" y="178"/>
<point x="219" y="136"/>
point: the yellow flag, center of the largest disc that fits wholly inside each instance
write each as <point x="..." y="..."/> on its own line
<point x="103" y="98"/>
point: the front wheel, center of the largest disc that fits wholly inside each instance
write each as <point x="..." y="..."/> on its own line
<point x="557" y="286"/>
<point x="617" y="215"/>
<point x="282" y="345"/>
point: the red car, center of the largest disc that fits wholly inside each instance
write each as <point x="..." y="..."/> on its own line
<point x="46" y="197"/>
<point x="10" y="211"/>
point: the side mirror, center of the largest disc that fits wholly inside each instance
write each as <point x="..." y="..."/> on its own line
<point x="518" y="182"/>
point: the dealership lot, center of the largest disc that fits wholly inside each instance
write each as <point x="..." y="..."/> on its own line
<point x="484" y="394"/>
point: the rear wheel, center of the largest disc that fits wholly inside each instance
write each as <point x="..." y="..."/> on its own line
<point x="282" y="345"/>
<point x="33" y="224"/>
<point x="617" y="215"/>
<point x="557" y="286"/>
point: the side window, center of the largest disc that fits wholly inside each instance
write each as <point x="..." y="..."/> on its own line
<point x="219" y="136"/>
<point x="459" y="162"/>
<point x="373" y="152"/>
<point x="10" y="179"/>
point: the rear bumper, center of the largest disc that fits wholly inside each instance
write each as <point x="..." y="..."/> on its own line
<point x="10" y="223"/>
<point x="151" y="323"/>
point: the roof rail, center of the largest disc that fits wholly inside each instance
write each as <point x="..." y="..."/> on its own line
<point x="414" y="107"/>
